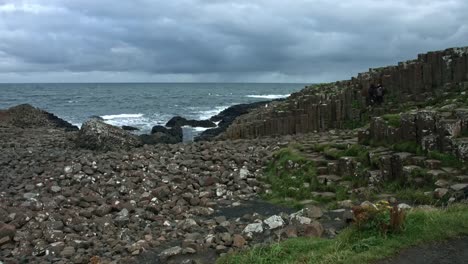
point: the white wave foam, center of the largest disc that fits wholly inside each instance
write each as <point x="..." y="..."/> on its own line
<point x="201" y="129"/>
<point x="141" y="121"/>
<point x="268" y="96"/>
<point x="207" y="114"/>
<point x="121" y="116"/>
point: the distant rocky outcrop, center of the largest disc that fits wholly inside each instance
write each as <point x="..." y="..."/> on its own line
<point x="227" y="117"/>
<point x="181" y="121"/>
<point x="27" y="116"/>
<point x="130" y="128"/>
<point x="162" y="135"/>
<point x="97" y="135"/>
<point x="342" y="104"/>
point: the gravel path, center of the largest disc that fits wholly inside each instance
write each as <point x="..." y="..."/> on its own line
<point x="452" y="251"/>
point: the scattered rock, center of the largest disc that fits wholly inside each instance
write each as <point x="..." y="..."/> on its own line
<point x="130" y="128"/>
<point x="274" y="222"/>
<point x="253" y="228"/>
<point x="97" y="135"/>
<point x="178" y="121"/>
<point x="173" y="251"/>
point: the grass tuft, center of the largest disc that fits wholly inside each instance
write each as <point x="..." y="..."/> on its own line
<point x="448" y="160"/>
<point x="355" y="246"/>
<point x="393" y="120"/>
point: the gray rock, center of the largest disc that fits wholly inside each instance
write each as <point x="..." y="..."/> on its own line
<point x="459" y="186"/>
<point x="173" y="251"/>
<point x="97" y="135"/>
<point x="274" y="221"/>
<point x="253" y="228"/>
<point x="55" y="189"/>
<point x="68" y="252"/>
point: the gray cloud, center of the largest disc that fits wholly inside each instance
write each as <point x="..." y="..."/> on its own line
<point x="236" y="40"/>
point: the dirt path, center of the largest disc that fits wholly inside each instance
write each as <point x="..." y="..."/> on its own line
<point x="453" y="251"/>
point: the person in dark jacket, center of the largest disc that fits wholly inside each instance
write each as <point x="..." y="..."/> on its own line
<point x="371" y="94"/>
<point x="379" y="94"/>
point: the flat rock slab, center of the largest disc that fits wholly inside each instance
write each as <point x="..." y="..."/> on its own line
<point x="447" y="252"/>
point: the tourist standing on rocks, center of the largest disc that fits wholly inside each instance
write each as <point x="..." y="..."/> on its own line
<point x="379" y="94"/>
<point x="371" y="95"/>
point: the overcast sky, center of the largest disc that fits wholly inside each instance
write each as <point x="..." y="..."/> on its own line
<point x="226" y="41"/>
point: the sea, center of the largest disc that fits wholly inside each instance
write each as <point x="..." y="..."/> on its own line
<point x="141" y="105"/>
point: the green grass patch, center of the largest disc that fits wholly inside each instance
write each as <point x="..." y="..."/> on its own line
<point x="409" y="146"/>
<point x="360" y="152"/>
<point x="354" y="246"/>
<point x="363" y="120"/>
<point x="414" y="196"/>
<point x="448" y="160"/>
<point x="291" y="176"/>
<point x="393" y="120"/>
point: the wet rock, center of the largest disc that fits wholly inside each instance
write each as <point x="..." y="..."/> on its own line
<point x="180" y="122"/>
<point x="161" y="134"/>
<point x="130" y="128"/>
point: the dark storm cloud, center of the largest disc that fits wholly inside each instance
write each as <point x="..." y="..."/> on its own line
<point x="190" y="40"/>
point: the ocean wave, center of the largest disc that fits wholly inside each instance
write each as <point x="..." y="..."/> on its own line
<point x="140" y="121"/>
<point x="121" y="116"/>
<point x="268" y="96"/>
<point x="198" y="129"/>
<point x="207" y="114"/>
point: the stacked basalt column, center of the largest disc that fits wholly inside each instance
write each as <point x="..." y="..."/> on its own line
<point x="432" y="130"/>
<point x="335" y="104"/>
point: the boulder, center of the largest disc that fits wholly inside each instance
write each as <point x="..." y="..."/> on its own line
<point x="163" y="135"/>
<point x="27" y="116"/>
<point x="227" y="117"/>
<point x="97" y="135"/>
<point x="179" y="121"/>
<point x="253" y="228"/>
<point x="130" y="128"/>
<point x="314" y="229"/>
<point x="274" y="221"/>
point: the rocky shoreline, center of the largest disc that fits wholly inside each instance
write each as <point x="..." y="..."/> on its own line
<point x="65" y="201"/>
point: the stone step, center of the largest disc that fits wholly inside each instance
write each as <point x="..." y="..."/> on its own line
<point x="462" y="178"/>
<point x="326" y="179"/>
<point x="437" y="174"/>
